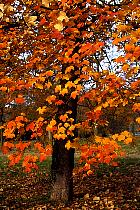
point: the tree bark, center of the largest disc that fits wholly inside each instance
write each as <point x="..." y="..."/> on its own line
<point x="62" y="168"/>
<point x="63" y="161"/>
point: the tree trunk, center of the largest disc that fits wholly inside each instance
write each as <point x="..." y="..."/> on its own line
<point x="63" y="161"/>
<point x="62" y="168"/>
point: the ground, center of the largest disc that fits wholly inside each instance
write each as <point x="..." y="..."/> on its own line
<point x="115" y="188"/>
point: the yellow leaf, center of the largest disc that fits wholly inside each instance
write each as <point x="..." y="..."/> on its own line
<point x="57" y="88"/>
<point x="48" y="85"/>
<point x="31" y="20"/>
<point x="39" y="86"/>
<point x="66" y="125"/>
<point x="115" y="136"/>
<point x="2" y="7"/>
<point x="105" y="105"/>
<point x="9" y="8"/>
<point x="76" y="81"/>
<point x="98" y="139"/>
<point x="138" y="120"/>
<point x="79" y="87"/>
<point x="1" y="14"/>
<point x="64" y="91"/>
<point x="69" y="84"/>
<point x="53" y="122"/>
<point x="40" y="119"/>
<point x="69" y="112"/>
<point x="89" y="172"/>
<point x="126" y="133"/>
<point x="66" y="76"/>
<point x="63" y="136"/>
<point x="121" y="137"/>
<point x="42" y="110"/>
<point x="68" y="69"/>
<point x="51" y="126"/>
<point x="62" y="16"/>
<point x="98" y="108"/>
<point x="72" y="127"/>
<point x="71" y="119"/>
<point x="46" y="3"/>
<point x="68" y="145"/>
<point x="61" y="130"/>
<point x="59" y="26"/>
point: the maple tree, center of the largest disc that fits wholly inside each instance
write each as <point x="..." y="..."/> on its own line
<point x="51" y="51"/>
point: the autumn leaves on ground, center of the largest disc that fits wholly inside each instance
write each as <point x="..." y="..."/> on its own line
<point x="108" y="188"/>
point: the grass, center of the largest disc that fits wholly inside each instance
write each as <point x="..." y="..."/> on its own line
<point x="17" y="170"/>
<point x="132" y="157"/>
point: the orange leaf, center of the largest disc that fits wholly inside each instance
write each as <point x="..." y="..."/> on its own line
<point x="121" y="137"/>
<point x="5" y="150"/>
<point x="107" y="159"/>
<point x="43" y="21"/>
<point x="31" y="126"/>
<point x="8" y="134"/>
<point x="128" y="140"/>
<point x="63" y="117"/>
<point x="17" y="158"/>
<point x="74" y="94"/>
<point x="51" y="99"/>
<point x="9" y="145"/>
<point x="21" y="146"/>
<point x="20" y="100"/>
<point x="59" y="102"/>
<point x="87" y="166"/>
<point x="42" y="157"/>
<point x="114" y="164"/>
<point x="3" y="88"/>
<point x="49" y="73"/>
<point x="89" y="172"/>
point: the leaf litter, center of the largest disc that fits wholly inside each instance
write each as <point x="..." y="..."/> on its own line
<point x="116" y="188"/>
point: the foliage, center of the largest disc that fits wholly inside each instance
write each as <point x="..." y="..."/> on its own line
<point x="52" y="51"/>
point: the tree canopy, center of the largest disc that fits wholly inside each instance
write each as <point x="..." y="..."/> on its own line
<point x="58" y="55"/>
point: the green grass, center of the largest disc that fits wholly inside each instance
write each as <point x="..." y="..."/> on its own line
<point x="132" y="157"/>
<point x="132" y="149"/>
<point x="17" y="170"/>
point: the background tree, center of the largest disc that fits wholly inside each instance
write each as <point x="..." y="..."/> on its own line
<point x="51" y="51"/>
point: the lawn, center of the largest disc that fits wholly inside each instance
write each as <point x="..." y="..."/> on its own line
<point x="109" y="188"/>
